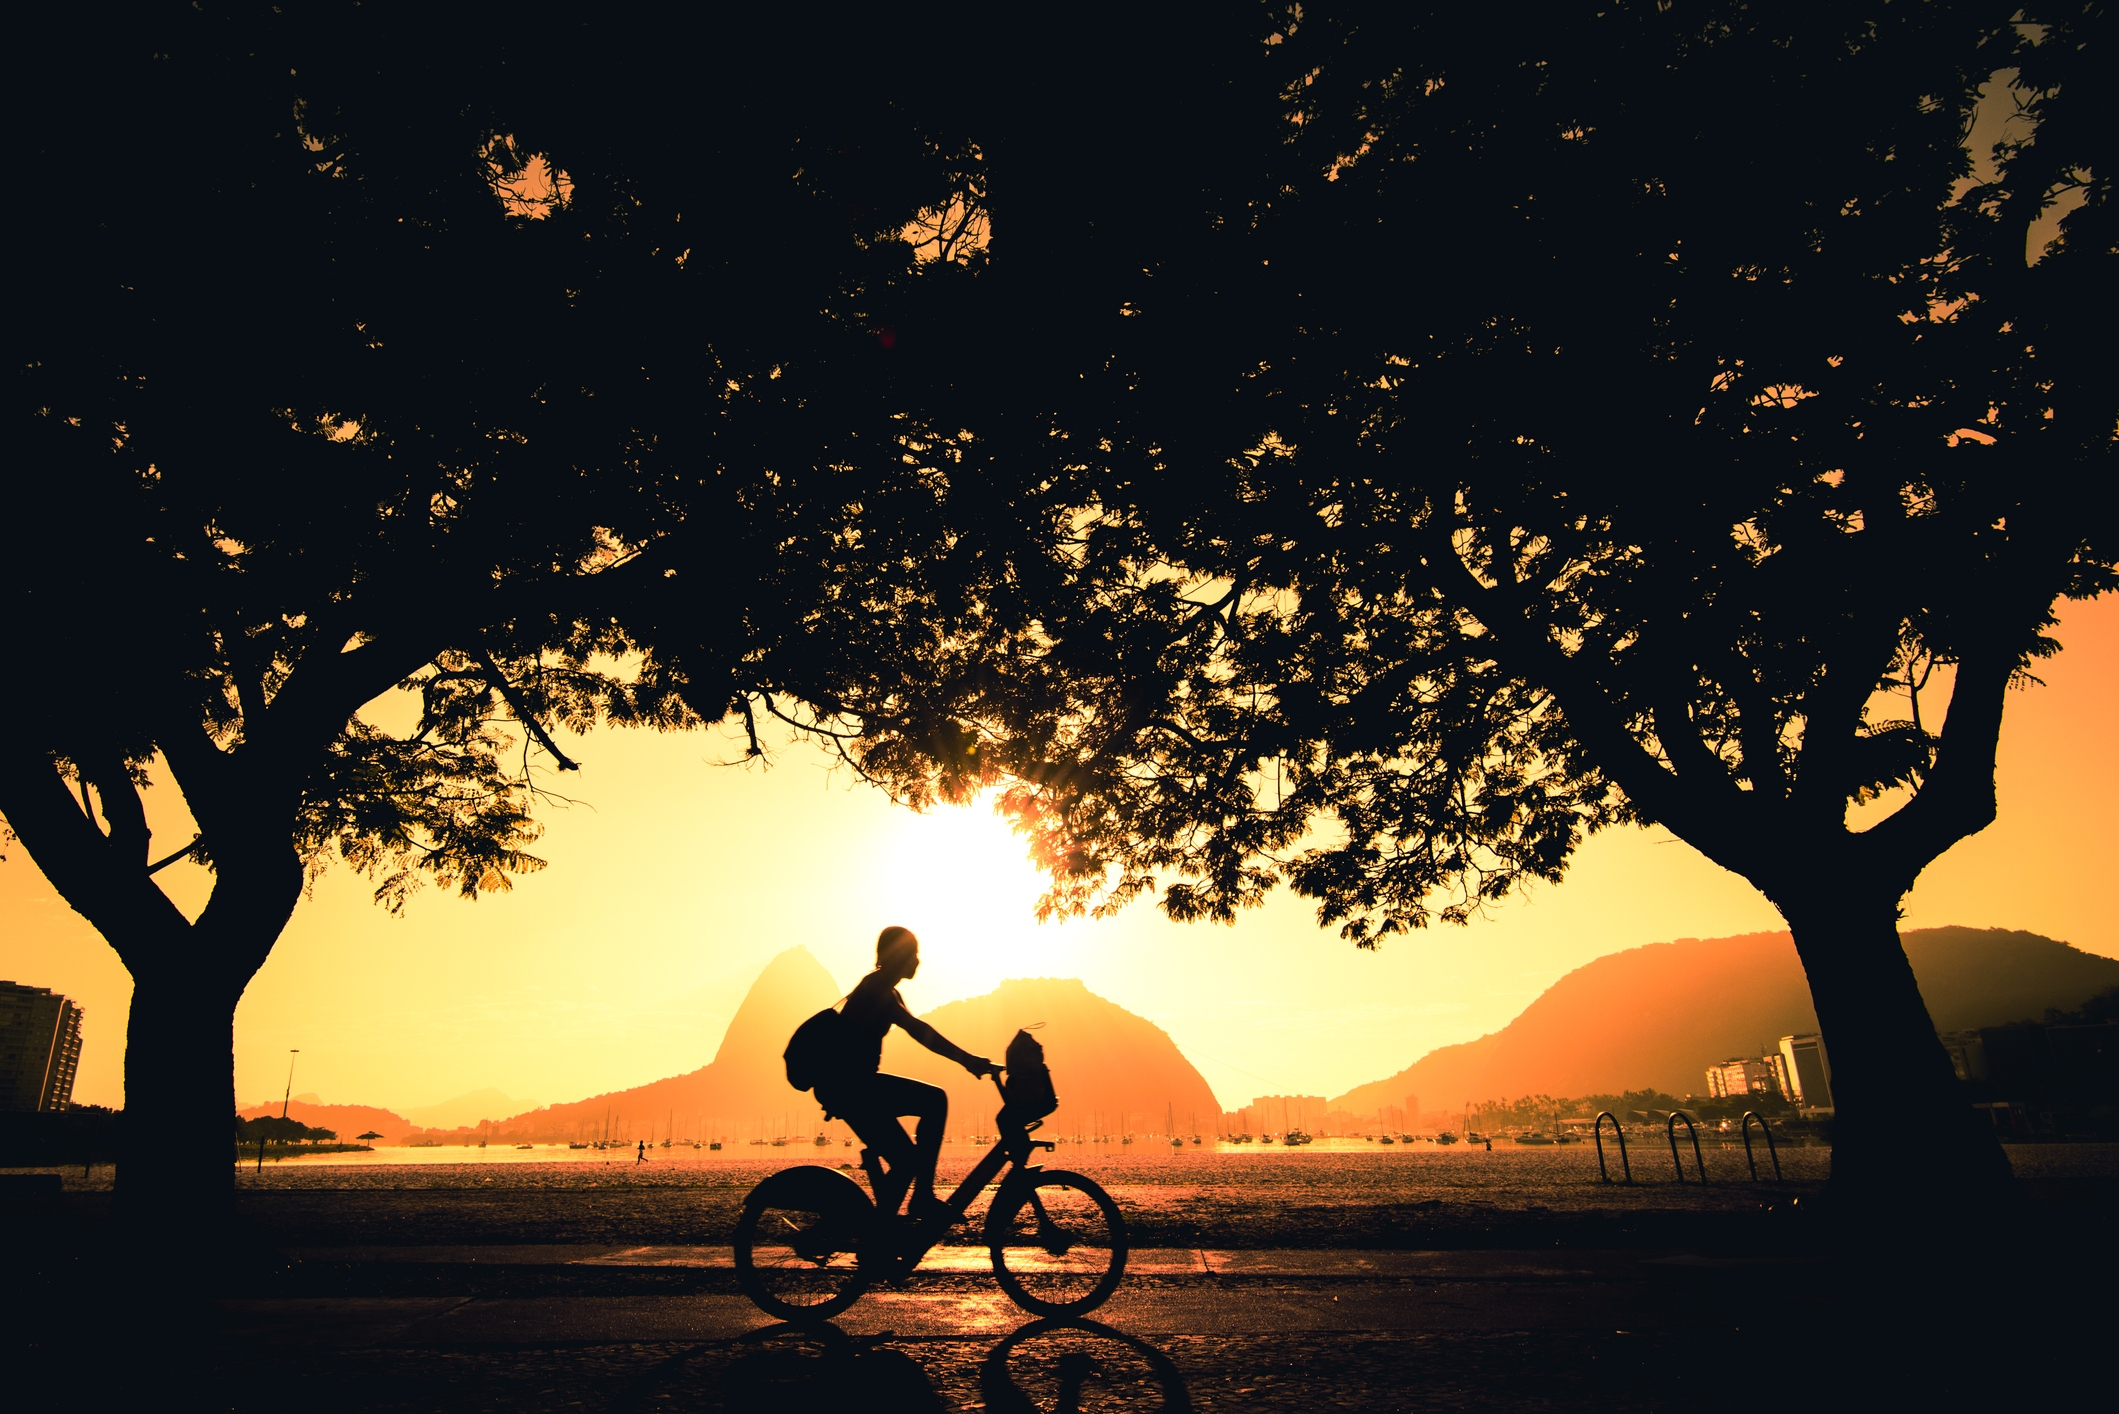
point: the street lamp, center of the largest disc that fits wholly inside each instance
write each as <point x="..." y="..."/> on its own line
<point x="289" y="1096"/>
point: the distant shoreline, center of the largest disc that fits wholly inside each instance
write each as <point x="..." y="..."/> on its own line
<point x="287" y="1151"/>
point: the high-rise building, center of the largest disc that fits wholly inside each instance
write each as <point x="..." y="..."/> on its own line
<point x="1740" y="1076"/>
<point x="40" y="1048"/>
<point x="1809" y="1073"/>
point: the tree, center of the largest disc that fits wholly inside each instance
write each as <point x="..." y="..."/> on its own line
<point x="1647" y="416"/>
<point x="532" y="371"/>
<point x="275" y="1130"/>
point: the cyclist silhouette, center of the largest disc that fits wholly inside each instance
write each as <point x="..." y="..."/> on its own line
<point x="870" y="1101"/>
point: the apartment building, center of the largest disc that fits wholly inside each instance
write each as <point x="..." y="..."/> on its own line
<point x="1809" y="1074"/>
<point x="1742" y="1076"/>
<point x="40" y="1048"/>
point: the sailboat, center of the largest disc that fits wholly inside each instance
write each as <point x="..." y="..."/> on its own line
<point x="1292" y="1136"/>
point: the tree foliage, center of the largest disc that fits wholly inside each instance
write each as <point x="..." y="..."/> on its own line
<point x="273" y="1129"/>
<point x="1647" y="415"/>
<point x="407" y="357"/>
<point x="400" y="391"/>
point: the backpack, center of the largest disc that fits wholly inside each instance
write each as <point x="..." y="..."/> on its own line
<point x="815" y="1050"/>
<point x="1030" y="1094"/>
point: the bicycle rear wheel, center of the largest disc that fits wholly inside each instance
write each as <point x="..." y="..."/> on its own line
<point x="1057" y="1241"/>
<point x="797" y="1244"/>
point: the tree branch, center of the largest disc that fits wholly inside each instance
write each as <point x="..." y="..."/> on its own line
<point x="326" y="689"/>
<point x="522" y="711"/>
<point x="1757" y="731"/>
<point x="163" y="863"/>
<point x="122" y="902"/>
<point x="121" y="805"/>
<point x="1652" y="787"/>
<point x="1957" y="799"/>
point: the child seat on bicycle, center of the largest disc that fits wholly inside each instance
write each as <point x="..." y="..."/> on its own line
<point x="1030" y="1093"/>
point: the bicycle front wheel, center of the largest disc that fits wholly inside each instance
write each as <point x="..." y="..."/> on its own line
<point x="1057" y="1241"/>
<point x="797" y="1244"/>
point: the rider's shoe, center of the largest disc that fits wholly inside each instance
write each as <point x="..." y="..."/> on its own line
<point x="929" y="1209"/>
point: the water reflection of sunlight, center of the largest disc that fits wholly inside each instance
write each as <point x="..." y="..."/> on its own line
<point x="961" y="879"/>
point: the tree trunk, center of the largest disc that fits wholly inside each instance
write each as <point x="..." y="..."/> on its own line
<point x="1904" y="1136"/>
<point x="173" y="1169"/>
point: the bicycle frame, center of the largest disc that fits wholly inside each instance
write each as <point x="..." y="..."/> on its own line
<point x="810" y="1217"/>
<point x="1014" y="1147"/>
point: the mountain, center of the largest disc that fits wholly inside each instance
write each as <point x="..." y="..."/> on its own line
<point x="743" y="1089"/>
<point x="473" y="1108"/>
<point x="1113" y="1071"/>
<point x="1658" y="1016"/>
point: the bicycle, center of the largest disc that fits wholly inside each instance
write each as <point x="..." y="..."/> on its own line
<point x="810" y="1240"/>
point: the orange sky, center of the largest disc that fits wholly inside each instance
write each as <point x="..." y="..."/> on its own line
<point x="677" y="878"/>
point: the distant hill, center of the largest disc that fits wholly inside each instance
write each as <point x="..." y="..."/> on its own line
<point x="1113" y="1071"/>
<point x="475" y="1107"/>
<point x="1111" y="1068"/>
<point x="1658" y="1016"/>
<point x="743" y="1091"/>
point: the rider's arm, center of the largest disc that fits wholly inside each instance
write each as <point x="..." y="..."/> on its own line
<point x="935" y="1041"/>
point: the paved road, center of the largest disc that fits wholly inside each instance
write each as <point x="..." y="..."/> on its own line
<point x="1168" y="1292"/>
<point x="535" y="1327"/>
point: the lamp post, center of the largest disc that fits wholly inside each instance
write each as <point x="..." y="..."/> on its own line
<point x="289" y="1096"/>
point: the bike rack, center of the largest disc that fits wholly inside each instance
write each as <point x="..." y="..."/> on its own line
<point x="1619" y="1130"/>
<point x="1767" y="1130"/>
<point x="1675" y="1116"/>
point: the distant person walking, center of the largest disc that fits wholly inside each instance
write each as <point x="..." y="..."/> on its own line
<point x="641" y="1157"/>
<point x="870" y="1101"/>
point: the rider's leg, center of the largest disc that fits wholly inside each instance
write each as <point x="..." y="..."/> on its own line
<point x="902" y="1096"/>
<point x="886" y="1138"/>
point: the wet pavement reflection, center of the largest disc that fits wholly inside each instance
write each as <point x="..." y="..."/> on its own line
<point x="1060" y="1366"/>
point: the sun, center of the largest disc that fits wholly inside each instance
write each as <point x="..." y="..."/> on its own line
<point x="962" y="880"/>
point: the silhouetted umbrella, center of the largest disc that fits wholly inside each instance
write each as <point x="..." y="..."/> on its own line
<point x="371" y="1134"/>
